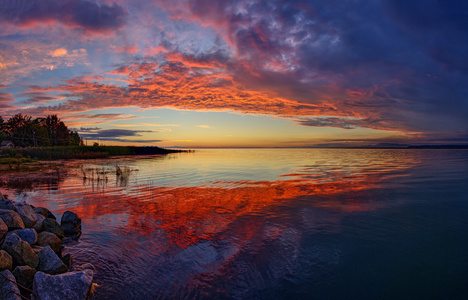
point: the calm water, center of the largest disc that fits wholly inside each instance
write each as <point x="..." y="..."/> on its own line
<point x="270" y="223"/>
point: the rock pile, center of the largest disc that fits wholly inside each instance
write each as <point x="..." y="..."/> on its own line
<point x="31" y="254"/>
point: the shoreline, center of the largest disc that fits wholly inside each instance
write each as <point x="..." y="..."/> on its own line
<point x="82" y="152"/>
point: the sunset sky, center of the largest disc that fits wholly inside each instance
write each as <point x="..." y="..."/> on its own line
<point x="240" y="73"/>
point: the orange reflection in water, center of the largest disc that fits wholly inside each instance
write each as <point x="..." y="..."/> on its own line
<point x="186" y="215"/>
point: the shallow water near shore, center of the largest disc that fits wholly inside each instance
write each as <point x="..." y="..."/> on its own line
<point x="269" y="223"/>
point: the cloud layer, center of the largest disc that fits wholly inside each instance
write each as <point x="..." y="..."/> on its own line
<point x="385" y="65"/>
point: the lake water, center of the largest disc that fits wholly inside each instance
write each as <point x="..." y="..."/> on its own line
<point x="269" y="223"/>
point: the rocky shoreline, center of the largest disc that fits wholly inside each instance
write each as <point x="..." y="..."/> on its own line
<point x="31" y="262"/>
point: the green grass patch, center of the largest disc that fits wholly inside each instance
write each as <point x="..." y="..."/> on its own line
<point x="15" y="161"/>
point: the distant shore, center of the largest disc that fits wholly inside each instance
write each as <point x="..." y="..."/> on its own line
<point x="82" y="152"/>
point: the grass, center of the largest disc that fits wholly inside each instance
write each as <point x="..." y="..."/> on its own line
<point x="15" y="161"/>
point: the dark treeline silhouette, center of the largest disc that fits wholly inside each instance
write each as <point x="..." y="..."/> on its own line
<point x="24" y="131"/>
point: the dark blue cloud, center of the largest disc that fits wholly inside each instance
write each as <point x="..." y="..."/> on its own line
<point x="409" y="57"/>
<point x="112" y="133"/>
<point x="84" y="14"/>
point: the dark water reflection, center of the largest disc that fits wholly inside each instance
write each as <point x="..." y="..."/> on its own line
<point x="271" y="224"/>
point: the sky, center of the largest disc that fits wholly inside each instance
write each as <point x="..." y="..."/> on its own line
<point x="273" y="73"/>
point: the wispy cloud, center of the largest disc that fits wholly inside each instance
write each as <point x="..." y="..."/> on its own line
<point x="19" y="59"/>
<point x="6" y="100"/>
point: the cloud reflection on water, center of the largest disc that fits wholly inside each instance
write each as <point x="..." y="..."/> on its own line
<point x="201" y="233"/>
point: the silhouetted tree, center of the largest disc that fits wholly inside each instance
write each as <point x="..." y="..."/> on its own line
<point x="75" y="139"/>
<point x="19" y="130"/>
<point x="41" y="134"/>
<point x="2" y="130"/>
<point x="49" y="131"/>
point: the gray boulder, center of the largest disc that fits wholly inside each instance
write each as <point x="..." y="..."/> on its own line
<point x="46" y="238"/>
<point x="40" y="220"/>
<point x="71" y="224"/>
<point x="3" y="228"/>
<point x="6" y="261"/>
<point x="8" y="290"/>
<point x="45" y="212"/>
<point x="12" y="219"/>
<point x="20" y="251"/>
<point x="27" y="234"/>
<point x="7" y="204"/>
<point x="24" y="275"/>
<point x="50" y="263"/>
<point x="70" y="286"/>
<point x="27" y="214"/>
<point x="53" y="226"/>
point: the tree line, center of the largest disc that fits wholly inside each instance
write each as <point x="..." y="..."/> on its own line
<point x="24" y="131"/>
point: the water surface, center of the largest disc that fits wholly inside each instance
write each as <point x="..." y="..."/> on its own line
<point x="269" y="223"/>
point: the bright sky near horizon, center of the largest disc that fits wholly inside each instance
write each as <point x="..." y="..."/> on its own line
<point x="276" y="73"/>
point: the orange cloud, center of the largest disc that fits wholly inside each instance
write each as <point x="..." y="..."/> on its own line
<point x="187" y="83"/>
<point x="131" y="49"/>
<point x="59" y="52"/>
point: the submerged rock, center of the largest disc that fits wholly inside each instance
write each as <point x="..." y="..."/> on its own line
<point x="20" y="251"/>
<point x="12" y="219"/>
<point x="7" y="204"/>
<point x="40" y="220"/>
<point x="71" y="224"/>
<point x="53" y="226"/>
<point x="71" y="286"/>
<point x="27" y="214"/>
<point x="46" y="238"/>
<point x="45" y="212"/>
<point x="8" y="290"/>
<point x="50" y="263"/>
<point x="27" y="234"/>
<point x="6" y="261"/>
<point x="24" y="275"/>
<point x="3" y="228"/>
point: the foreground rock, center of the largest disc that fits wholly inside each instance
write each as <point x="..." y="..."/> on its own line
<point x="50" y="263"/>
<point x="71" y="224"/>
<point x="27" y="214"/>
<point x="31" y="243"/>
<point x="27" y="234"/>
<point x="40" y="220"/>
<point x="45" y="212"/>
<point x="25" y="276"/>
<point x="20" y="251"/>
<point x="12" y="219"/>
<point x="8" y="290"/>
<point x="6" y="261"/>
<point x="53" y="226"/>
<point x="46" y="238"/>
<point x="70" y="286"/>
<point x="3" y="228"/>
<point x="7" y="204"/>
